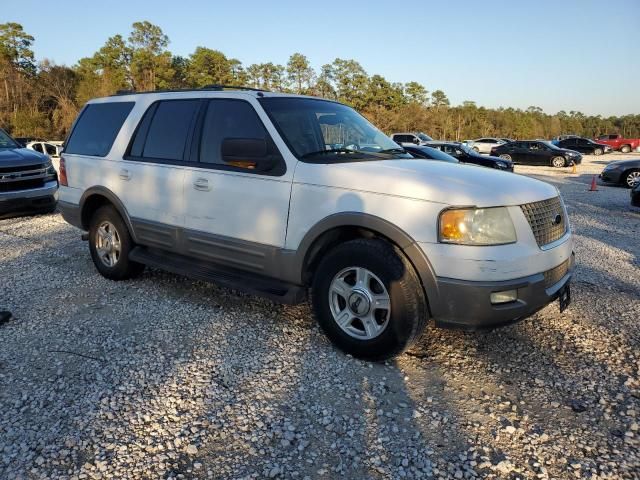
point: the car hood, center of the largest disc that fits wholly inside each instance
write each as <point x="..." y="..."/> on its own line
<point x="441" y="182"/>
<point x="19" y="157"/>
<point x="624" y="163"/>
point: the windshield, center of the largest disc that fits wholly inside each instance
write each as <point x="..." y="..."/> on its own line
<point x="327" y="132"/>
<point x="551" y="145"/>
<point x="436" y="154"/>
<point x="6" y="141"/>
<point x="424" y="137"/>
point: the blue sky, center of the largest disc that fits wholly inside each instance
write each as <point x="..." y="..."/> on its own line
<point x="558" y="55"/>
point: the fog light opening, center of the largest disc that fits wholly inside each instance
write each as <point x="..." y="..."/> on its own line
<point x="506" y="296"/>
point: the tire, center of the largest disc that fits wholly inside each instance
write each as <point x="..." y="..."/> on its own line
<point x="107" y="220"/>
<point x="631" y="178"/>
<point x="625" y="148"/>
<point x="597" y="152"/>
<point x="389" y="275"/>
<point x="477" y="150"/>
<point x="505" y="156"/>
<point x="558" y="162"/>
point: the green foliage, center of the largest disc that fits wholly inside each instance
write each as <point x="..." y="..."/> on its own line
<point x="42" y="100"/>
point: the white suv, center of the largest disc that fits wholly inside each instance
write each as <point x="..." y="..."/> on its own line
<point x="281" y="195"/>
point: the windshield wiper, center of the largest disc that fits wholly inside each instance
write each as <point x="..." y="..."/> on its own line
<point x="331" y="150"/>
<point x="393" y="150"/>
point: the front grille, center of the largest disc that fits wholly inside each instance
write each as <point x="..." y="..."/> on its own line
<point x="553" y="276"/>
<point x="22" y="185"/>
<point x="547" y="220"/>
<point x="23" y="168"/>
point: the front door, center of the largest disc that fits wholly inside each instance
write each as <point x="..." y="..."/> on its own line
<point x="235" y="214"/>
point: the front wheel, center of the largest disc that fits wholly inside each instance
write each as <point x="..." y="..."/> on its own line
<point x="632" y="178"/>
<point x="505" y="156"/>
<point x="558" y="162"/>
<point x="625" y="148"/>
<point x="368" y="300"/>
<point x="110" y="244"/>
<point x="597" y="152"/>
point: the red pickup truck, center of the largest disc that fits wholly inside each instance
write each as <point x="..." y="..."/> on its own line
<point x="618" y="142"/>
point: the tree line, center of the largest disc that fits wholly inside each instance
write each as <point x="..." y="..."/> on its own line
<point x="41" y="99"/>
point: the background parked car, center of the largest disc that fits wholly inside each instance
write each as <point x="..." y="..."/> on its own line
<point x="465" y="154"/>
<point x="429" y="153"/>
<point x="411" y="138"/>
<point x="624" y="172"/>
<point x="584" y="145"/>
<point x="485" y="144"/>
<point x="618" y="142"/>
<point x="49" y="149"/>
<point x="559" y="138"/>
<point x="535" y="152"/>
<point x="28" y="181"/>
<point x="635" y="195"/>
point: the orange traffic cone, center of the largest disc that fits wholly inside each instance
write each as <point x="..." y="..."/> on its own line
<point x="594" y="186"/>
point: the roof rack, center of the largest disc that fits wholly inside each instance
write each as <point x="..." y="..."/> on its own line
<point x="213" y="87"/>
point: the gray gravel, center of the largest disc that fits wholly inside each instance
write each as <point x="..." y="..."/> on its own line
<point x="164" y="377"/>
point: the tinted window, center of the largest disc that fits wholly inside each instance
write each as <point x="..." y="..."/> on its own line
<point x="37" y="147"/>
<point x="6" y="141"/>
<point x="168" y="130"/>
<point x="230" y="119"/>
<point x="97" y="127"/>
<point x="51" y="150"/>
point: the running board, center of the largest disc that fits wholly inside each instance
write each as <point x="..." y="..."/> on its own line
<point x="275" y="290"/>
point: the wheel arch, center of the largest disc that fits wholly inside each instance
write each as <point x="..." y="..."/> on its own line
<point x="94" y="198"/>
<point x="341" y="227"/>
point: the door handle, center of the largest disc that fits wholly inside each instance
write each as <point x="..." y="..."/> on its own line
<point x="202" y="184"/>
<point x="125" y="174"/>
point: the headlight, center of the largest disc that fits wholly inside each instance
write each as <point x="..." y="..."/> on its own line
<point x="476" y="226"/>
<point x="501" y="164"/>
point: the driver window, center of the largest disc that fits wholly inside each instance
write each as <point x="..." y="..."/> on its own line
<point x="38" y="147"/>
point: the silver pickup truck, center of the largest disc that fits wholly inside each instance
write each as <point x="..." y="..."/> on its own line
<point x="28" y="180"/>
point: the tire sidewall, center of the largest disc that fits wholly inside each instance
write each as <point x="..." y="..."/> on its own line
<point x="400" y="329"/>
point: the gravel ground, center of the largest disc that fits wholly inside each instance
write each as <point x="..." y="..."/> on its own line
<point x="164" y="377"/>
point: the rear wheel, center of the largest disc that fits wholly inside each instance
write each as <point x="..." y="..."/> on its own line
<point x="632" y="178"/>
<point x="368" y="300"/>
<point x="597" y="152"/>
<point x="625" y="148"/>
<point x="558" y="162"/>
<point x="110" y="244"/>
<point x="505" y="156"/>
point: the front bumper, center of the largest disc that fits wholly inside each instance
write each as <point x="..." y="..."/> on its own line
<point x="33" y="200"/>
<point x="466" y="305"/>
<point x="611" y="176"/>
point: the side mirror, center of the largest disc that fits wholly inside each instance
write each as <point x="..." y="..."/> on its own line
<point x="246" y="153"/>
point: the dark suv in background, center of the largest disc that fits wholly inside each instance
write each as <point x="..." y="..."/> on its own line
<point x="537" y="152"/>
<point x="584" y="145"/>
<point x="28" y="181"/>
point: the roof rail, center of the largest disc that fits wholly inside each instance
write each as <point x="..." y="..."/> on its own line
<point x="215" y="86"/>
<point x="212" y="87"/>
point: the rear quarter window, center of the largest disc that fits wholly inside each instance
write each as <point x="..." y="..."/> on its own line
<point x="97" y="128"/>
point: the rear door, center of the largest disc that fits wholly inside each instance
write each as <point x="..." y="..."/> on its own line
<point x="233" y="211"/>
<point x="152" y="173"/>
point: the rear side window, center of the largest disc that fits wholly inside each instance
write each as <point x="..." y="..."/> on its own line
<point x="164" y="130"/>
<point x="97" y="128"/>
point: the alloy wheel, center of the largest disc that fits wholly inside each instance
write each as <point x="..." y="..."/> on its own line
<point x="107" y="243"/>
<point x="633" y="178"/>
<point x="359" y="303"/>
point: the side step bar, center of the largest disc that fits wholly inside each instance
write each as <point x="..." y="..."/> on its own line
<point x="200" y="270"/>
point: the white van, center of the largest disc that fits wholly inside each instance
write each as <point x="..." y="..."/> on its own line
<point x="285" y="195"/>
